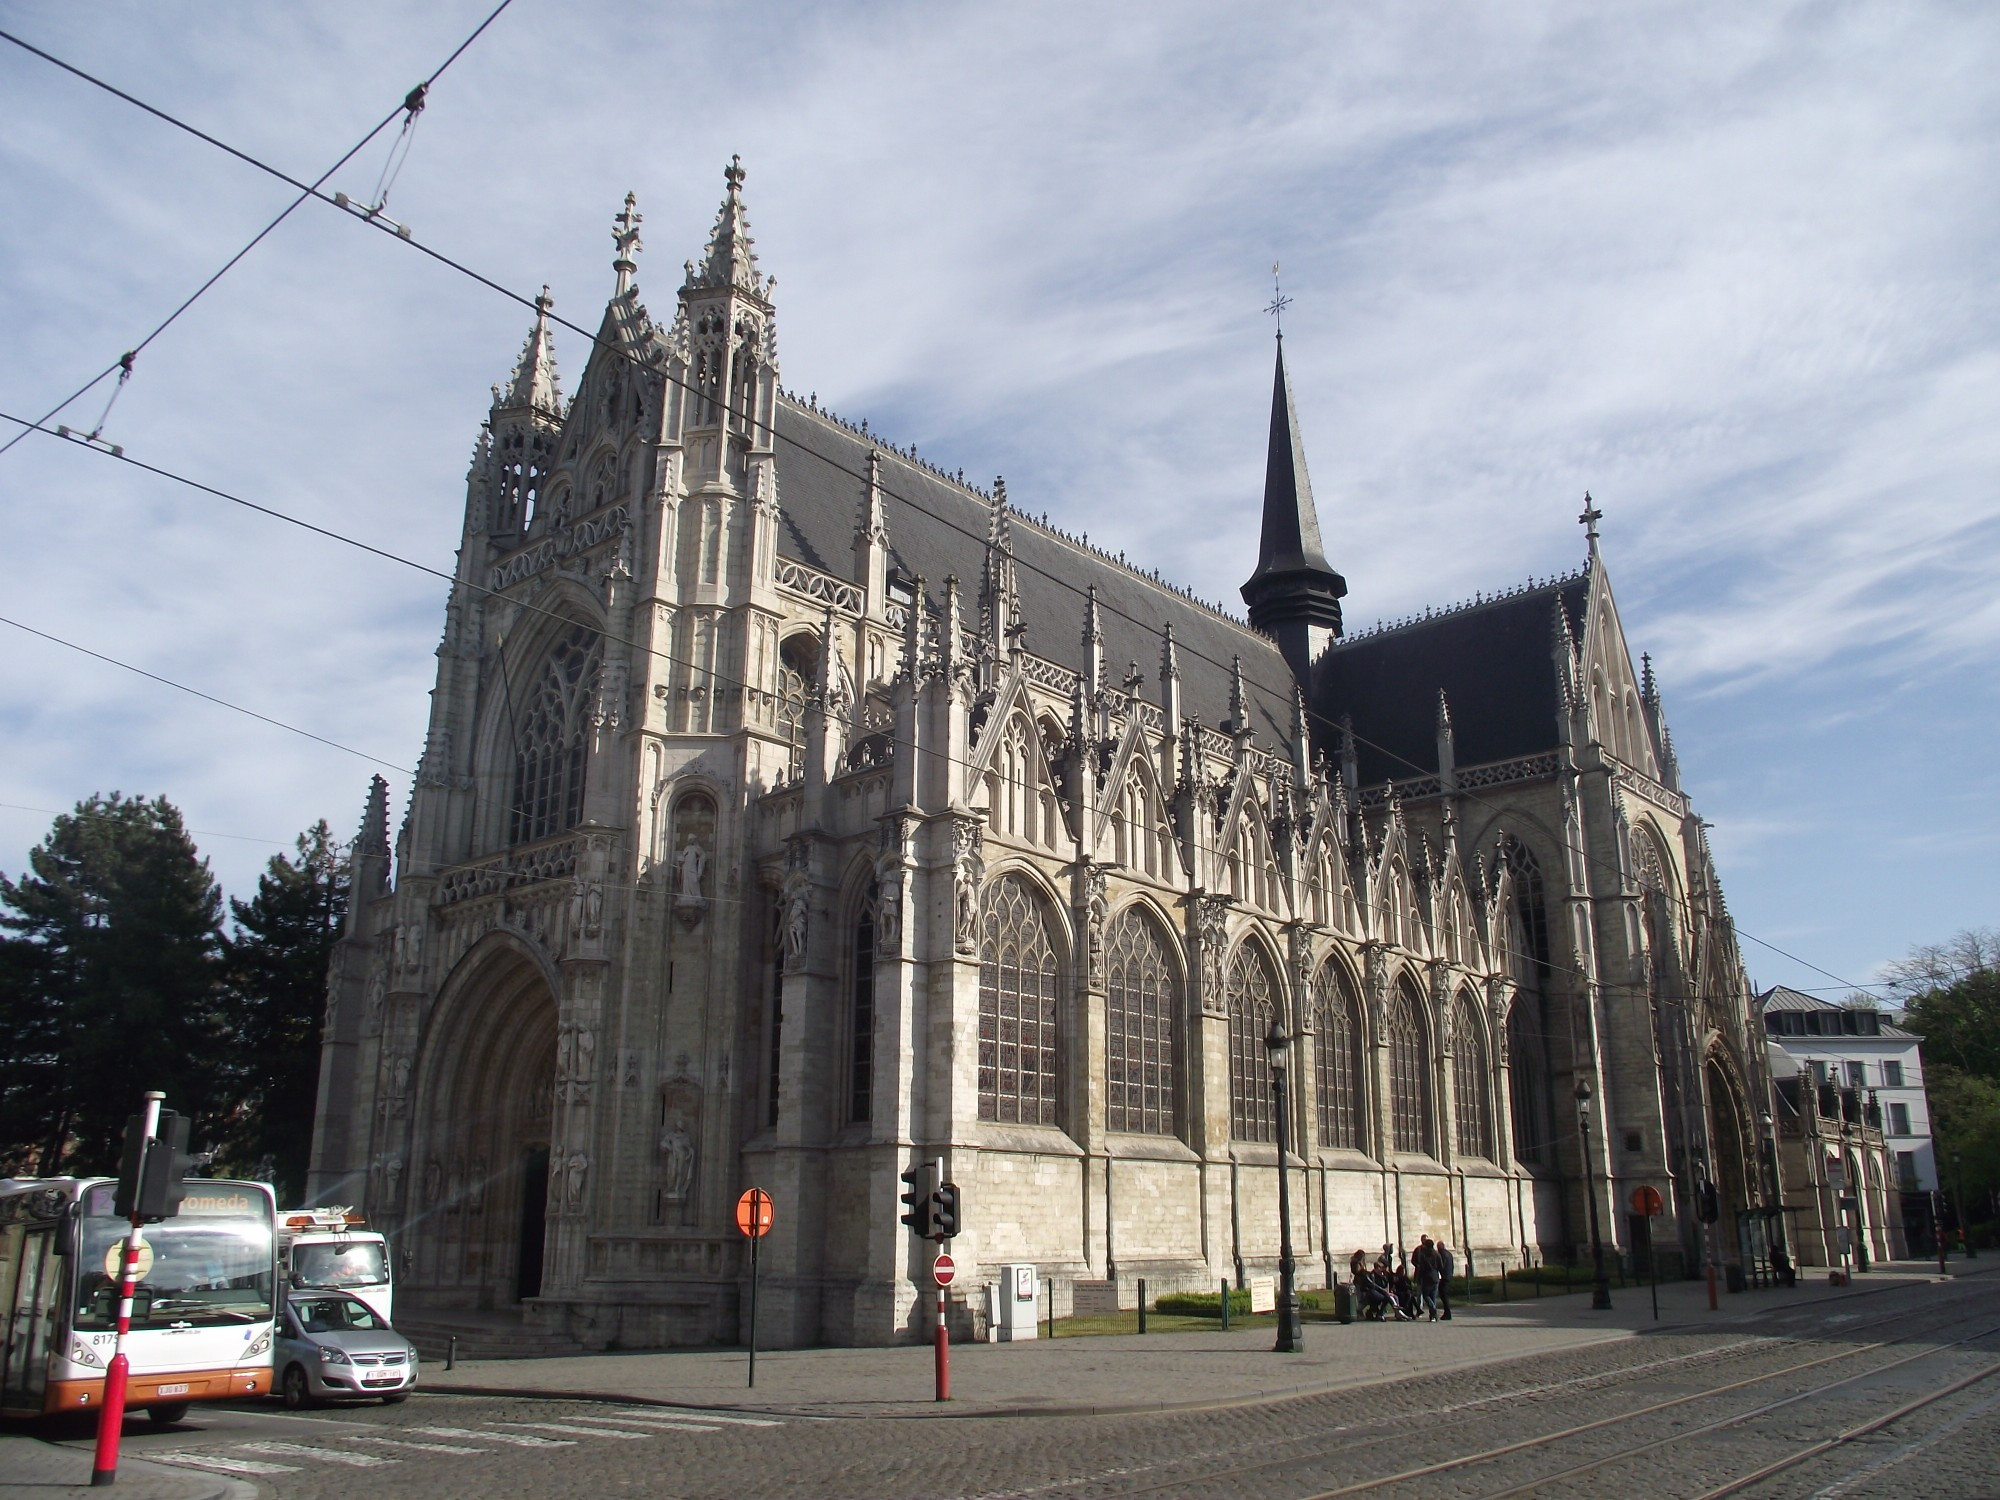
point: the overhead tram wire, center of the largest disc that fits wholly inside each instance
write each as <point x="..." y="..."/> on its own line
<point x="631" y="357"/>
<point x="412" y="105"/>
<point x="720" y="679"/>
<point x="207" y="697"/>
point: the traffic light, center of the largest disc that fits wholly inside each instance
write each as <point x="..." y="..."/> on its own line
<point x="150" y="1176"/>
<point x="1707" y="1204"/>
<point x="944" y="1211"/>
<point x="918" y="1201"/>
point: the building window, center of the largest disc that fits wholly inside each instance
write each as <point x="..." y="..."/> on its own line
<point x="1527" y="1033"/>
<point x="861" y="1016"/>
<point x="1253" y="998"/>
<point x="1471" y="1095"/>
<point x="1892" y="1075"/>
<point x="798" y="674"/>
<point x="1409" y="1077"/>
<point x="550" y="741"/>
<point x="1857" y="1075"/>
<point x="1337" y="1054"/>
<point x="1899" y="1119"/>
<point x="1906" y="1171"/>
<point x="1019" y="990"/>
<point x="1141" y="1001"/>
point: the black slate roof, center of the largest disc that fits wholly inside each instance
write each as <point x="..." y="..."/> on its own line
<point x="1494" y="662"/>
<point x="938" y="528"/>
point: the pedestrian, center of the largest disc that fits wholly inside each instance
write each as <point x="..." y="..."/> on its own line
<point x="1425" y="1263"/>
<point x="1447" y="1268"/>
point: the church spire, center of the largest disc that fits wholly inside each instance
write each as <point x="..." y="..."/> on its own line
<point x="730" y="259"/>
<point x="533" y="386"/>
<point x="1294" y="596"/>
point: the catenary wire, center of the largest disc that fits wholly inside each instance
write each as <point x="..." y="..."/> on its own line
<point x="667" y="656"/>
<point x="632" y="358"/>
<point x="412" y="103"/>
<point x="209" y="697"/>
<point x="207" y="833"/>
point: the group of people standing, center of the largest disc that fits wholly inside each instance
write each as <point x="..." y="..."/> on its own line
<point x="1402" y="1288"/>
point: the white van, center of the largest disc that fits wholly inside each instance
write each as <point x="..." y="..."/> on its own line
<point x="333" y="1248"/>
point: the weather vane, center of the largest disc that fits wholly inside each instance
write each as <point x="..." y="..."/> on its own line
<point x="1279" y="301"/>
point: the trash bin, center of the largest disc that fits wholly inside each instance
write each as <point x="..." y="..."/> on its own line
<point x="1343" y="1303"/>
<point x="1735" y="1276"/>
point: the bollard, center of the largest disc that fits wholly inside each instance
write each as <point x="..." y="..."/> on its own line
<point x="1503" y="1281"/>
<point x="451" y="1352"/>
<point x="1052" y="1307"/>
<point x="1225" y="1304"/>
<point x="1538" y="1277"/>
<point x="1142" y="1304"/>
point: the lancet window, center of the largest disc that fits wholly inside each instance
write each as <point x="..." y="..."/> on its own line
<point x="1527" y="1019"/>
<point x="1472" y="1094"/>
<point x="1142" y="1000"/>
<point x="1338" y="1091"/>
<point x="1409" y="1076"/>
<point x="1253" y="1000"/>
<point x="552" y="739"/>
<point x="861" y="1013"/>
<point x="1019" y="998"/>
<point x="798" y="673"/>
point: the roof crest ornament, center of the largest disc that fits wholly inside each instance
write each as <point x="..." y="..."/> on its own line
<point x="1588" y="521"/>
<point x="625" y="235"/>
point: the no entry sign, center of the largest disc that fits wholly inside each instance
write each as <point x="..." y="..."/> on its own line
<point x="943" y="1269"/>
<point x="1647" y="1201"/>
<point x="753" y="1213"/>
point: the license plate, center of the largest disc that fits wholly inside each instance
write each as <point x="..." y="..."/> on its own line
<point x="381" y="1379"/>
<point x="171" y="1390"/>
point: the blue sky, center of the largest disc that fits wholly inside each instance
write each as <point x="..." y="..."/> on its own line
<point x="1728" y="268"/>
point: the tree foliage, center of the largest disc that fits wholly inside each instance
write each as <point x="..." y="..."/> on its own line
<point x="110" y="984"/>
<point x="276" y="965"/>
<point x="1953" y="1003"/>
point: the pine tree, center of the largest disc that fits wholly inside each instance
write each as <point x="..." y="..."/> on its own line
<point x="110" y="985"/>
<point x="277" y="965"/>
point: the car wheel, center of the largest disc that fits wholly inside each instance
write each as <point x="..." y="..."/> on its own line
<point x="396" y="1400"/>
<point x="297" y="1392"/>
<point x="166" y="1416"/>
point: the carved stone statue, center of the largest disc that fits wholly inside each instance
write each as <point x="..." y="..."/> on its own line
<point x="889" y="916"/>
<point x="677" y="1164"/>
<point x="691" y="860"/>
<point x="797" y="911"/>
<point x="575" y="1170"/>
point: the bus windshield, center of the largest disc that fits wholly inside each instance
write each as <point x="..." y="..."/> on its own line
<point x="205" y="1273"/>
<point x="339" y="1265"/>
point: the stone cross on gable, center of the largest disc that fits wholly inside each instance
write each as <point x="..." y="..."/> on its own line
<point x="625" y="235"/>
<point x="1589" y="519"/>
<point x="1279" y="301"/>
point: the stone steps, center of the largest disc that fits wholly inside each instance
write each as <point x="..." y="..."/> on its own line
<point x="433" y="1336"/>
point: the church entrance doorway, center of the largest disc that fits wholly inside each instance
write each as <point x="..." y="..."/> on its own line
<point x="489" y="1088"/>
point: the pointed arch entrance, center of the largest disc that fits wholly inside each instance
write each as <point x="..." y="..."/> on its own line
<point x="1729" y="1137"/>
<point x="476" y="1226"/>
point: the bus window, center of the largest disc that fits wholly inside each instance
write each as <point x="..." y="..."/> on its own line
<point x="206" y="1273"/>
<point x="29" y="1317"/>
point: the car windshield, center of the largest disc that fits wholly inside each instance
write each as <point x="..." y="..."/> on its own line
<point x="339" y="1265"/>
<point x="336" y="1315"/>
<point x="204" y="1273"/>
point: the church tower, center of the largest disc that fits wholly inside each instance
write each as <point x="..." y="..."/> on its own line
<point x="1294" y="596"/>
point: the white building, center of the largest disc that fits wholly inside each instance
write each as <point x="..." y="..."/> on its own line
<point x="1859" y="1047"/>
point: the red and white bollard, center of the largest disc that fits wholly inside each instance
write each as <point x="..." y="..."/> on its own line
<point x="111" y="1416"/>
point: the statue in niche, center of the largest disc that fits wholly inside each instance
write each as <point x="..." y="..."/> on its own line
<point x="677" y="1164"/>
<point x="456" y="1187"/>
<point x="967" y="921"/>
<point x="575" y="1170"/>
<point x="796" y="912"/>
<point x="692" y="859"/>
<point x="475" y="1188"/>
<point x="889" y="916"/>
<point x="433" y="1180"/>
<point x="392" y="1181"/>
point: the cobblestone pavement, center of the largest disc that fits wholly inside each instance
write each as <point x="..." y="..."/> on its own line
<point x="1885" y="1351"/>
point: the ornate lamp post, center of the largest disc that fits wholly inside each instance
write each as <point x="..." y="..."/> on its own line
<point x="1777" y="1188"/>
<point x="1964" y="1218"/>
<point x="1600" y="1295"/>
<point x="1291" y="1330"/>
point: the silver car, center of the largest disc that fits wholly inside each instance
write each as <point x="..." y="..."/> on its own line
<point x="333" y="1347"/>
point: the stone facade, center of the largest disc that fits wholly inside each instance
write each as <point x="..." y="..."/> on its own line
<point x="792" y="812"/>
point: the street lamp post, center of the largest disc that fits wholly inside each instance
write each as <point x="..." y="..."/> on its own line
<point x="1964" y="1217"/>
<point x="1291" y="1330"/>
<point x="1777" y="1218"/>
<point x="1600" y="1296"/>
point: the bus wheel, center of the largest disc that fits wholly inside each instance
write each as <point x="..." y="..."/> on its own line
<point x="166" y="1416"/>
<point x="298" y="1394"/>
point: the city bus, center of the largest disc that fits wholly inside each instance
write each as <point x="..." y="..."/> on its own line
<point x="201" y="1315"/>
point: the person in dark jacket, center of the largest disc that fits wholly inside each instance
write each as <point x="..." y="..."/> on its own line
<point x="1447" y="1268"/>
<point x="1425" y="1264"/>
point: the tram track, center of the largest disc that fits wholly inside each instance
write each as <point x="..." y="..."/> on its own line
<point x="1467" y="1412"/>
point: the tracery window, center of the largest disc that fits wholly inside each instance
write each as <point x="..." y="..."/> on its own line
<point x="1409" y="1077"/>
<point x="1143" y="997"/>
<point x="1019" y="992"/>
<point x="1527" y="1025"/>
<point x="861" y="1014"/>
<point x="1338" y="1091"/>
<point x="1253" y="1000"/>
<point x="551" y="740"/>
<point x="798" y="673"/>
<point x="1472" y="1094"/>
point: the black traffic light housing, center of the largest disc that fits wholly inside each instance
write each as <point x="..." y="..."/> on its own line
<point x="151" y="1173"/>
<point x="944" y="1211"/>
<point x="1707" y="1203"/>
<point x="918" y="1201"/>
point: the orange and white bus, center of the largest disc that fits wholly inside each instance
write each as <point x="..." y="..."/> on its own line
<point x="201" y="1316"/>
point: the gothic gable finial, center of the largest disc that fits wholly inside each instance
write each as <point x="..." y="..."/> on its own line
<point x="730" y="259"/>
<point x="625" y="235"/>
<point x="534" y="385"/>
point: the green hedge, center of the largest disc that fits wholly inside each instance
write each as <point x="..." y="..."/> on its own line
<point x="1209" y="1304"/>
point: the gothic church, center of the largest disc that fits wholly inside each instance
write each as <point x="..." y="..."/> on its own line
<point x="792" y="811"/>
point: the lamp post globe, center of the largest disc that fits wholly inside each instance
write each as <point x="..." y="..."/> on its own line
<point x="1291" y="1329"/>
<point x="1600" y="1294"/>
